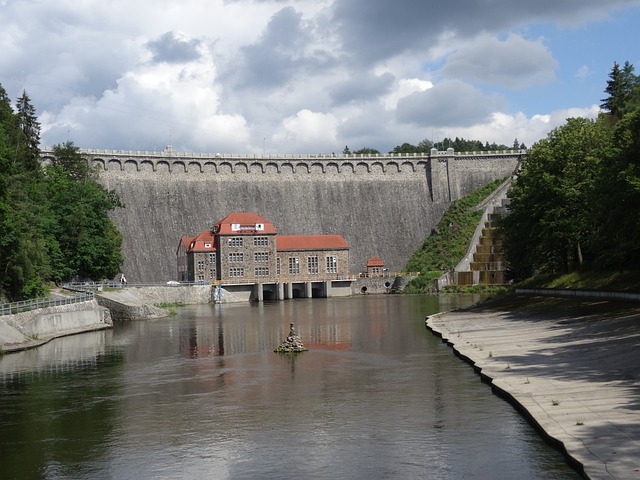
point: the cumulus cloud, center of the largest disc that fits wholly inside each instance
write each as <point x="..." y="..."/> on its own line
<point x="514" y="62"/>
<point x="307" y="128"/>
<point x="362" y="88"/>
<point x="296" y="75"/>
<point x="173" y="47"/>
<point x="448" y="103"/>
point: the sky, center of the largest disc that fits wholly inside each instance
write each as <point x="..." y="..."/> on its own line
<point x="310" y="76"/>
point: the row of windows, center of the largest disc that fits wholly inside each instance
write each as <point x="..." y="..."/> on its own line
<point x="236" y="272"/>
<point x="260" y="241"/>
<point x="236" y="257"/>
<point x="312" y="265"/>
<point x="259" y="257"/>
<point x="257" y="241"/>
<point x="236" y="241"/>
<point x="201" y="268"/>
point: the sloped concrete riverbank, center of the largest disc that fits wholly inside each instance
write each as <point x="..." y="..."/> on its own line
<point x="21" y="331"/>
<point x="571" y="366"/>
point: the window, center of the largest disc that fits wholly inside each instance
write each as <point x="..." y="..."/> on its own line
<point x="236" y="257"/>
<point x="236" y="272"/>
<point x="294" y="266"/>
<point x="201" y="278"/>
<point x="235" y="241"/>
<point x="312" y="265"/>
<point x="212" y="258"/>
<point x="212" y="274"/>
<point x="200" y="265"/>
<point x="260" y="241"/>
<point x="332" y="265"/>
<point x="262" y="271"/>
<point x="261" y="257"/>
<point x="278" y="266"/>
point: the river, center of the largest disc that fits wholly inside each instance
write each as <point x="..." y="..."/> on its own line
<point x="202" y="395"/>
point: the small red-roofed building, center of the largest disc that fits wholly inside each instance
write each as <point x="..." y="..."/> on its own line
<point x="375" y="267"/>
<point x="245" y="247"/>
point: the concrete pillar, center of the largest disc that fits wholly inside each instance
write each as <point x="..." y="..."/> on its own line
<point x="327" y="289"/>
<point x="258" y="292"/>
<point x="288" y="290"/>
<point x="308" y="290"/>
<point x="279" y="291"/>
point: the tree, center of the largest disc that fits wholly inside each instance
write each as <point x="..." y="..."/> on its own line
<point x="622" y="89"/>
<point x="405" y="148"/>
<point x="346" y="150"/>
<point x="29" y="127"/>
<point x="618" y="217"/>
<point x="68" y="157"/>
<point x="367" y="151"/>
<point x="552" y="217"/>
<point x="83" y="241"/>
<point x="425" y="145"/>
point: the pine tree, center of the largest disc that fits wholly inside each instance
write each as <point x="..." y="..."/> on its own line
<point x="29" y="142"/>
<point x="621" y="87"/>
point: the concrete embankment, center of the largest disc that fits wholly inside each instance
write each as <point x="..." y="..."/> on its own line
<point x="571" y="366"/>
<point x="33" y="328"/>
<point x="134" y="303"/>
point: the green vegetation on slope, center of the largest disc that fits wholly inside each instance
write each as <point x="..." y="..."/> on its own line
<point x="54" y="219"/>
<point x="449" y="241"/>
<point x="574" y="206"/>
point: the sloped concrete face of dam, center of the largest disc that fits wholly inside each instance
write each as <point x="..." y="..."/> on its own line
<point x="381" y="208"/>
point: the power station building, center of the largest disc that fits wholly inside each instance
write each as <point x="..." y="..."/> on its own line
<point x="245" y="247"/>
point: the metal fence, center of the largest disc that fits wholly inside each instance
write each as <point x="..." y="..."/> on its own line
<point x="25" y="305"/>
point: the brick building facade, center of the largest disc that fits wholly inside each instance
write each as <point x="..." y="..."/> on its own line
<point x="245" y="247"/>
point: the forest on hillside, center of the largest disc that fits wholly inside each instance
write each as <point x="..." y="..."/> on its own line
<point x="54" y="223"/>
<point x="574" y="206"/>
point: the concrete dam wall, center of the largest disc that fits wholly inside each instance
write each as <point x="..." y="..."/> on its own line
<point x="382" y="205"/>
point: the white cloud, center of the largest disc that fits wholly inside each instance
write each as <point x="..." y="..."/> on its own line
<point x="514" y="62"/>
<point x="307" y="76"/>
<point x="307" y="131"/>
<point x="405" y="87"/>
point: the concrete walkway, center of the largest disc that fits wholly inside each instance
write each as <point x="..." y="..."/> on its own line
<point x="571" y="366"/>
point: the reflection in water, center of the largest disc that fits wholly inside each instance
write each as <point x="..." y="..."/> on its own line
<point x="203" y="395"/>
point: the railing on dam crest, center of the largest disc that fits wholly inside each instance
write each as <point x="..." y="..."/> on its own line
<point x="171" y="161"/>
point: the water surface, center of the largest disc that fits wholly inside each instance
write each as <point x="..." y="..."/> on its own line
<point x="203" y="395"/>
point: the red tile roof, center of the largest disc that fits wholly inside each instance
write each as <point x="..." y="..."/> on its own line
<point x="311" y="242"/>
<point x="244" y="223"/>
<point x="203" y="242"/>
<point x="375" y="262"/>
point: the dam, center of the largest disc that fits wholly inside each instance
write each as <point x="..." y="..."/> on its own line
<point x="383" y="204"/>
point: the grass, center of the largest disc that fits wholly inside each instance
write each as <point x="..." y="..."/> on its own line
<point x="171" y="308"/>
<point x="448" y="242"/>
<point x="480" y="288"/>
<point x="607" y="280"/>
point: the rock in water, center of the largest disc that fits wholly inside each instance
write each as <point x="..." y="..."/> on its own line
<point x="292" y="344"/>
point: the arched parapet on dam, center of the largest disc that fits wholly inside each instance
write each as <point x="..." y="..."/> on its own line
<point x="170" y="161"/>
<point x="436" y="164"/>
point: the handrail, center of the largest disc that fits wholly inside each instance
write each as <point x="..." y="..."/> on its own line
<point x="34" y="303"/>
<point x="286" y="156"/>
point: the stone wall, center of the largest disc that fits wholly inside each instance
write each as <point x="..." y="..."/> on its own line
<point x="382" y="207"/>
